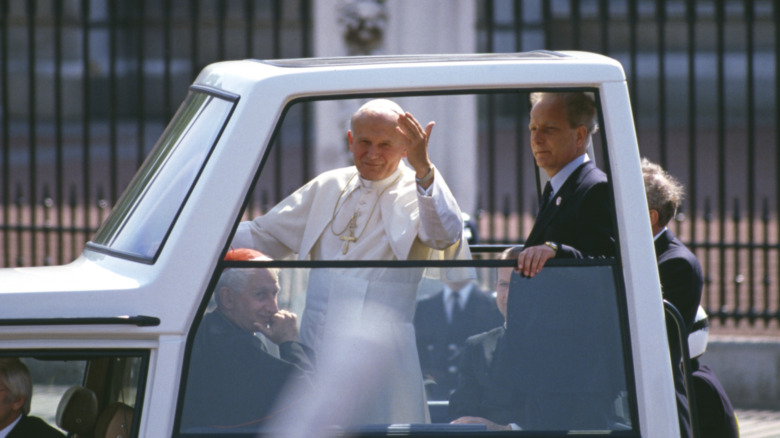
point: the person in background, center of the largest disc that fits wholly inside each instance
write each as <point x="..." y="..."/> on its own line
<point x="681" y="284"/>
<point x="15" y="401"/>
<point x="442" y="322"/>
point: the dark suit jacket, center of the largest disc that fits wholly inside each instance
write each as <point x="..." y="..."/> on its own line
<point x="34" y="427"/>
<point x="716" y="414"/>
<point x="234" y="380"/>
<point x="482" y="388"/>
<point x="581" y="224"/>
<point x="681" y="282"/>
<point x="680" y="274"/>
<point x="439" y="344"/>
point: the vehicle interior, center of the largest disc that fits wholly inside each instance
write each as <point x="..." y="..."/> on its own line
<point x="86" y="393"/>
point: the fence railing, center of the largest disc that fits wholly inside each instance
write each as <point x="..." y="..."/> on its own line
<point x="86" y="88"/>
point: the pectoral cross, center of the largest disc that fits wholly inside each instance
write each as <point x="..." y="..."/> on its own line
<point x="350" y="237"/>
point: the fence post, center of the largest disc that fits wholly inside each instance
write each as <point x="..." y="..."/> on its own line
<point x="6" y="143"/>
<point x="48" y="204"/>
<point x="739" y="278"/>
<point x="73" y="203"/>
<point x="767" y="279"/>
<point x="20" y="201"/>
<point x="31" y="11"/>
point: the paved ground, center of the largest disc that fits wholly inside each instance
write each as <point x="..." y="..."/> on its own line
<point x="758" y="424"/>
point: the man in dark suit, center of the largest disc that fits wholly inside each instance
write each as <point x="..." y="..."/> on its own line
<point x="233" y="379"/>
<point x="678" y="268"/>
<point x="715" y="411"/>
<point x="442" y="322"/>
<point x="717" y="418"/>
<point x="15" y="401"/>
<point x="681" y="284"/>
<point x="575" y="214"/>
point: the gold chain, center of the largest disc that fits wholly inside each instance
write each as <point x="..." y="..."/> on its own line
<point x="354" y="216"/>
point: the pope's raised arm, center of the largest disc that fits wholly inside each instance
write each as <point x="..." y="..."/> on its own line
<point x="417" y="147"/>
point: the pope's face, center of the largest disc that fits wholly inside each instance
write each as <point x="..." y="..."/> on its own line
<point x="553" y="141"/>
<point x="256" y="304"/>
<point x="502" y="289"/>
<point x="376" y="145"/>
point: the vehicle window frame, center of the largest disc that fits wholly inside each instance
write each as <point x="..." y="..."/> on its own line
<point x="89" y="355"/>
<point x="269" y="148"/>
<point x="126" y="206"/>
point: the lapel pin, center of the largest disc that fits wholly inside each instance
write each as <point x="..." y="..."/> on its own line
<point x="558" y="200"/>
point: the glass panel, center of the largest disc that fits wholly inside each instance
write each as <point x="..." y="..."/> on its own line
<point x="566" y="350"/>
<point x="149" y="206"/>
<point x="50" y="380"/>
<point x="78" y="392"/>
<point x="559" y="365"/>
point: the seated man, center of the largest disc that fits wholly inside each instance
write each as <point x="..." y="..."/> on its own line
<point x="15" y="400"/>
<point x="233" y="379"/>
<point x="478" y="397"/>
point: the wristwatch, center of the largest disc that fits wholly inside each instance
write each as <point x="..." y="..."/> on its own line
<point x="552" y="245"/>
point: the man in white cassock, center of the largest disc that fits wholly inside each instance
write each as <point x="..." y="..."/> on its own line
<point x="378" y="209"/>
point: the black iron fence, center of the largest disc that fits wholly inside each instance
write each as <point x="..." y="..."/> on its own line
<point x="86" y="86"/>
<point x="704" y="78"/>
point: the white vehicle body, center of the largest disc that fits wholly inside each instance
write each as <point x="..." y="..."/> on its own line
<point x="41" y="307"/>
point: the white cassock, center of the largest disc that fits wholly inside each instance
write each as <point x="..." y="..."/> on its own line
<point x="395" y="220"/>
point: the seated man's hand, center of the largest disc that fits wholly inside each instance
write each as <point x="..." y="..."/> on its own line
<point x="479" y="420"/>
<point x="282" y="327"/>
<point x="532" y="259"/>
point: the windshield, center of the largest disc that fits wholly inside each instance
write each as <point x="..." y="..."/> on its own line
<point x="147" y="210"/>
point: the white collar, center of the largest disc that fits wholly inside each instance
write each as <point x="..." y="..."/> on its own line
<point x="463" y="294"/>
<point x="559" y="178"/>
<point x="4" y="433"/>
<point x="659" y="234"/>
<point x="381" y="184"/>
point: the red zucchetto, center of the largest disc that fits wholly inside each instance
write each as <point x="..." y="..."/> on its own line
<point x="245" y="255"/>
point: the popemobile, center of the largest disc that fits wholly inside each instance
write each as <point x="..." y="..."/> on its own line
<point x="115" y="334"/>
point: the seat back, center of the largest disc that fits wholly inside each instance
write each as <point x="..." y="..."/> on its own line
<point x="77" y="411"/>
<point x="115" y="421"/>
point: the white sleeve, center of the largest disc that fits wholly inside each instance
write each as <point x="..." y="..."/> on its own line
<point x="441" y="223"/>
<point x="278" y="232"/>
